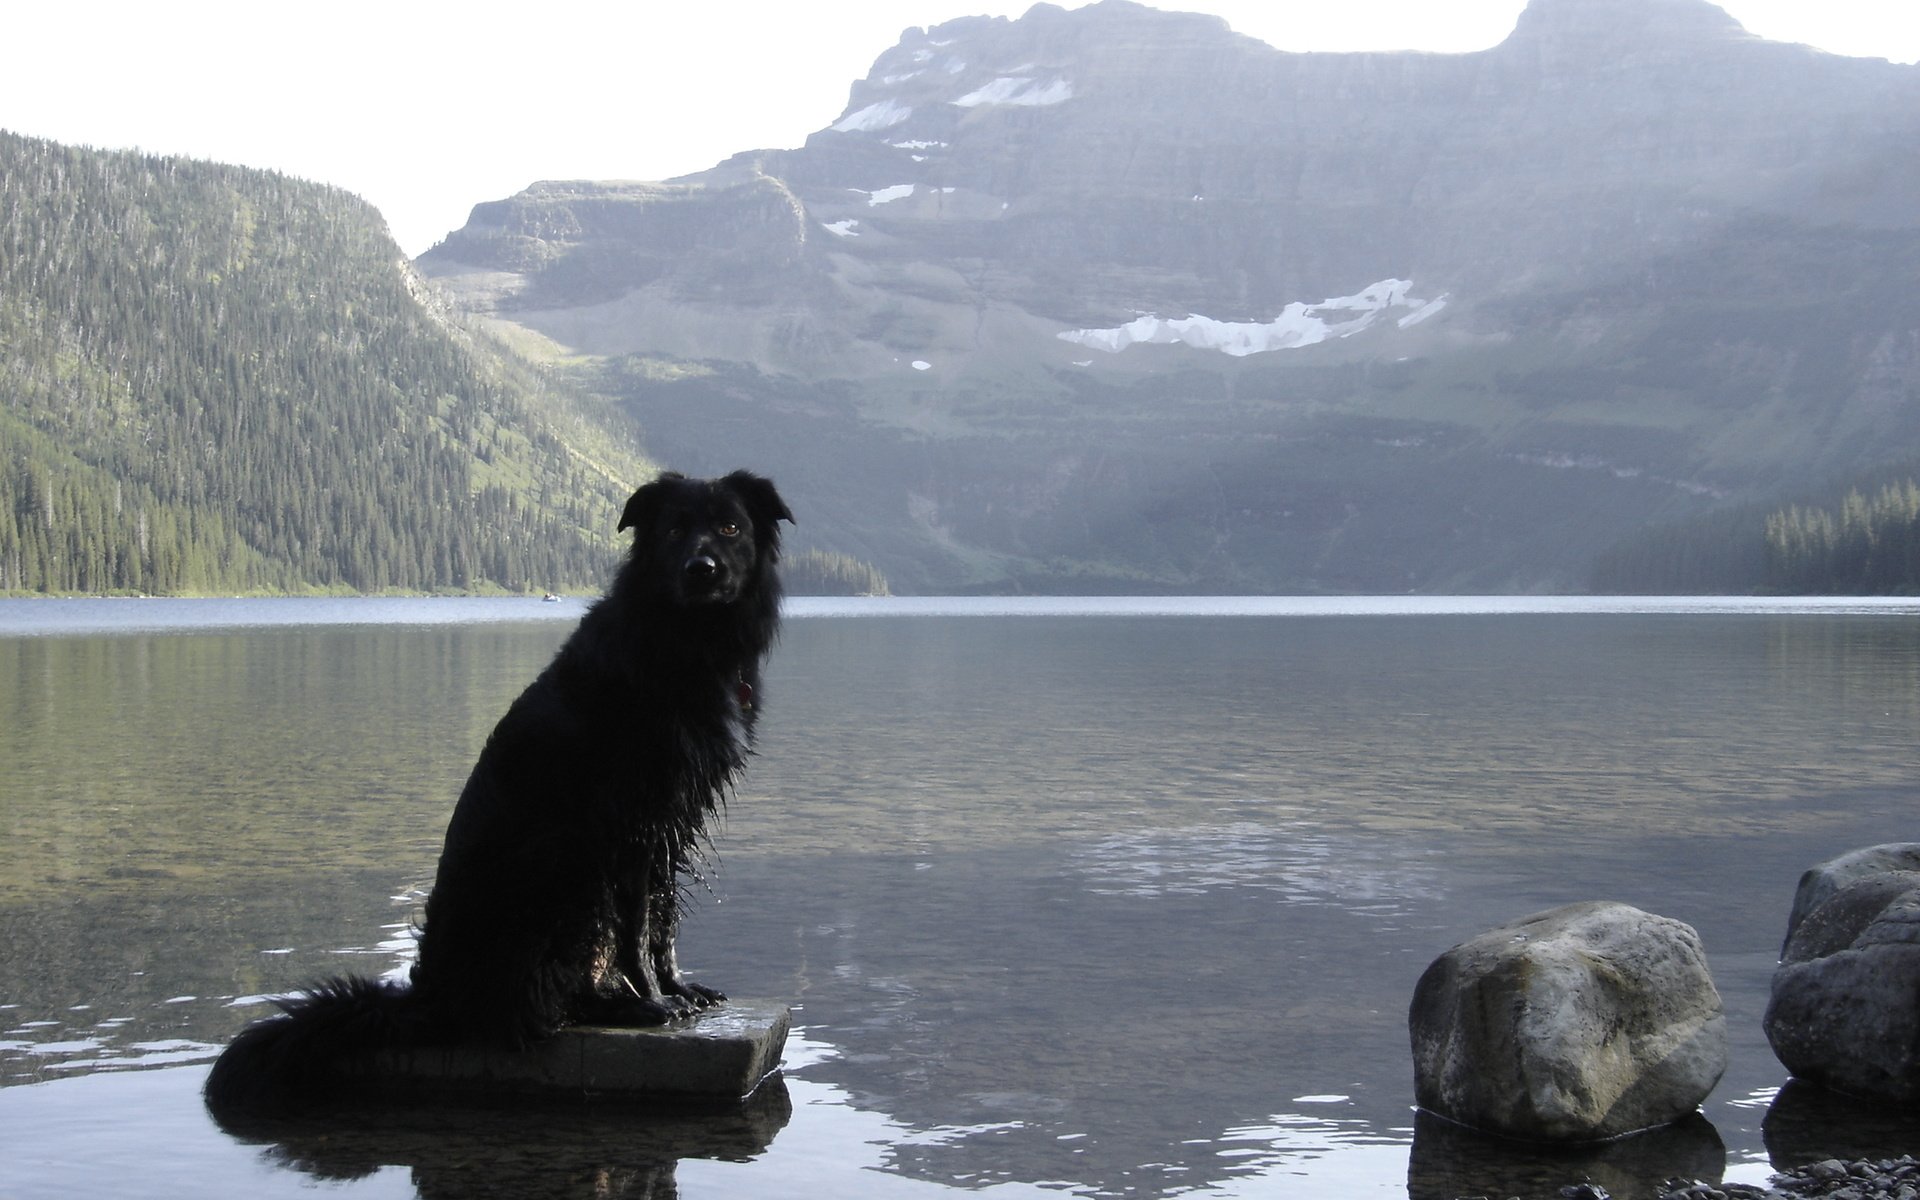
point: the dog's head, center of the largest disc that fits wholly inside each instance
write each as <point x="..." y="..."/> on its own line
<point x="707" y="541"/>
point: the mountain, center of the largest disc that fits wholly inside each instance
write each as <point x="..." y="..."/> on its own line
<point x="1116" y="298"/>
<point x="216" y="380"/>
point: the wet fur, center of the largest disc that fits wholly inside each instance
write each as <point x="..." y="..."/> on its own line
<point x="561" y="879"/>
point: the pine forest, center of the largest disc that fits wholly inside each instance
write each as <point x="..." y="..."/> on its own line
<point x="221" y="380"/>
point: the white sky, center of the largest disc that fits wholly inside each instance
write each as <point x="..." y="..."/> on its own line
<point x="426" y="107"/>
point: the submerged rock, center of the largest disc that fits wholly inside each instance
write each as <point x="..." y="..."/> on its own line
<point x="1845" y="1007"/>
<point x="1581" y="1023"/>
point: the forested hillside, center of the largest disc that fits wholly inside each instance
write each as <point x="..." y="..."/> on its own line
<point x="1865" y="541"/>
<point x="825" y="573"/>
<point x="215" y="379"/>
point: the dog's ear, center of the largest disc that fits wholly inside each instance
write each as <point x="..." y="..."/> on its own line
<point x="763" y="503"/>
<point x="642" y="501"/>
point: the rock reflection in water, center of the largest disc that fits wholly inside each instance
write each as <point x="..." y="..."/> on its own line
<point x="1806" y="1123"/>
<point x="1451" y="1160"/>
<point x="520" y="1151"/>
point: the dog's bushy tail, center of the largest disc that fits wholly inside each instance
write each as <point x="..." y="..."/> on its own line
<point x="287" y="1062"/>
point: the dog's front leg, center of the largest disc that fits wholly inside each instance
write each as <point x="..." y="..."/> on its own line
<point x="661" y="926"/>
<point x="628" y="990"/>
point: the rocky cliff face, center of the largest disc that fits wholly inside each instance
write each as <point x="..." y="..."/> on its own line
<point x="1622" y="238"/>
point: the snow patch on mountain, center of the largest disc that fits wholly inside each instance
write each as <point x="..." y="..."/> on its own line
<point x="887" y="195"/>
<point x="1421" y="313"/>
<point x="1018" y="90"/>
<point x="847" y="229"/>
<point x="1299" y="324"/>
<point x="883" y="115"/>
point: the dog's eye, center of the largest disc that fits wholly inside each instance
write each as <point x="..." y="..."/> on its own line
<point x="673" y="535"/>
<point x="729" y="529"/>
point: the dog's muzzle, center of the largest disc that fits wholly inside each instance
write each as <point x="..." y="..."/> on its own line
<point x="704" y="580"/>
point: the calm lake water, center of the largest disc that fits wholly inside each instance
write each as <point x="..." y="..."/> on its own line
<point x="1105" y="898"/>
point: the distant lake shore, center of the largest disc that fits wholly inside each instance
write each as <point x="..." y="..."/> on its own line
<point x="56" y="616"/>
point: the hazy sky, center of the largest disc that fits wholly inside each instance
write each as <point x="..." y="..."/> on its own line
<point x="426" y="107"/>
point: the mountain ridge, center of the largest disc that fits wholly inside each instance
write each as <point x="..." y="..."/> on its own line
<point x="1031" y="313"/>
<point x="1230" y="257"/>
<point x="1630" y="235"/>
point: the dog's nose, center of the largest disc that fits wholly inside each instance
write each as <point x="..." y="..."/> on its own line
<point x="701" y="567"/>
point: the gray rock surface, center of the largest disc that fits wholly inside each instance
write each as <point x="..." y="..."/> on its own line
<point x="721" y="1055"/>
<point x="1845" y="1008"/>
<point x="1584" y="1022"/>
<point x="1819" y="883"/>
<point x="1893" y="1178"/>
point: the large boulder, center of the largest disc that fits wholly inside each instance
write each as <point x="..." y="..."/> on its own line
<point x="1819" y="884"/>
<point x="1580" y="1023"/>
<point x="1845" y="1007"/>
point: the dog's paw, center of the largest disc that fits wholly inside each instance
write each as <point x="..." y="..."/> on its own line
<point x="697" y="995"/>
<point x="670" y="1008"/>
<point x="634" y="1011"/>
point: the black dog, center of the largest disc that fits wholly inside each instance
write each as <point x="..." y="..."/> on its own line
<point x="560" y="881"/>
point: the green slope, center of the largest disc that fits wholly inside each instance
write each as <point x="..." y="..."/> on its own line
<point x="215" y="379"/>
